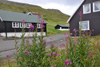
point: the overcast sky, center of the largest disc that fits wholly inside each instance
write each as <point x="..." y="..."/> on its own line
<point x="65" y="6"/>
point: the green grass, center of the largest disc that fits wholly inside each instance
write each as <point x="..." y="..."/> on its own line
<point x="53" y="18"/>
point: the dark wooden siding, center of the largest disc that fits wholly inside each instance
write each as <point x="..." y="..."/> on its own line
<point x="93" y="17"/>
<point x="58" y="27"/>
<point x="2" y="26"/>
<point x="10" y="29"/>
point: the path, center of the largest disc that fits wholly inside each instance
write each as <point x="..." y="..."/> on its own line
<point x="8" y="46"/>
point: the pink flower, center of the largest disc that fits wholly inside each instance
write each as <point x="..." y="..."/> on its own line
<point x="42" y="24"/>
<point x="65" y="33"/>
<point x="67" y="62"/>
<point x="27" y="52"/>
<point x="23" y="20"/>
<point x="80" y="14"/>
<point x="44" y="42"/>
<point x="75" y="41"/>
<point x="83" y="36"/>
<point x="27" y="40"/>
<point x="62" y="44"/>
<point x="90" y="54"/>
<point x="75" y="30"/>
<point x="7" y="55"/>
<point x="55" y="54"/>
<point x="52" y="44"/>
<point x="66" y="39"/>
<point x="31" y="27"/>
<point x="70" y="34"/>
<point x="39" y="15"/>
<point x="49" y="55"/>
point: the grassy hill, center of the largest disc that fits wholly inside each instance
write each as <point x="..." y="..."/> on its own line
<point x="51" y="16"/>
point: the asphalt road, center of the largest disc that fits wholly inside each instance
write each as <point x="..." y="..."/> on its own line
<point x="8" y="46"/>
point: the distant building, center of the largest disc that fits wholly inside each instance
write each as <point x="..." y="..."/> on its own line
<point x="62" y="27"/>
<point x="12" y="21"/>
<point x="90" y="19"/>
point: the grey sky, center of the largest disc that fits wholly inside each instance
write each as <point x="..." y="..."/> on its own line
<point x="65" y="6"/>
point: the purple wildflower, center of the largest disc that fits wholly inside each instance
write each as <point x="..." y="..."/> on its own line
<point x="70" y="34"/>
<point x="27" y="52"/>
<point x="23" y="21"/>
<point x="67" y="62"/>
<point x="65" y="33"/>
<point x="7" y="55"/>
<point x="27" y="40"/>
<point x="31" y="27"/>
<point x="80" y="14"/>
<point x="44" y="42"/>
<point x="39" y="15"/>
<point x="49" y="55"/>
<point x="62" y="44"/>
<point x="75" y="30"/>
<point x="52" y="44"/>
<point x="90" y="54"/>
<point x="66" y="39"/>
<point x="56" y="47"/>
<point x="75" y="41"/>
<point x="42" y="24"/>
<point x="83" y="36"/>
<point x="55" y="54"/>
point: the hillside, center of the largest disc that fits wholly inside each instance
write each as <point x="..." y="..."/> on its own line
<point x="51" y="16"/>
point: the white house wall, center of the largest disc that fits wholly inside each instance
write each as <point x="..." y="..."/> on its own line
<point x="19" y="34"/>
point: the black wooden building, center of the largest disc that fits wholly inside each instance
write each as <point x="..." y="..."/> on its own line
<point x="62" y="27"/>
<point x="12" y="21"/>
<point x="90" y="19"/>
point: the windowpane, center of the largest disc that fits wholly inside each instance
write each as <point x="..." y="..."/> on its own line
<point x="84" y="25"/>
<point x="38" y="26"/>
<point x="16" y="24"/>
<point x="96" y="6"/>
<point x="27" y="25"/>
<point x="86" y="8"/>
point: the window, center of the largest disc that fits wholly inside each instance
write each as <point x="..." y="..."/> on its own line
<point x="86" y="8"/>
<point x="84" y="25"/>
<point x="22" y="25"/>
<point x="96" y="6"/>
<point x="27" y="25"/>
<point x="15" y="25"/>
<point x="38" y="25"/>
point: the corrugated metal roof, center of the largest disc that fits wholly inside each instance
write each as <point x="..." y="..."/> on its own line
<point x="14" y="16"/>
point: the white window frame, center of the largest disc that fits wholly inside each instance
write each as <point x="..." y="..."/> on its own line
<point x="94" y="7"/>
<point x="89" y="8"/>
<point x="21" y="25"/>
<point x="38" y="25"/>
<point x="27" y="25"/>
<point x="16" y="24"/>
<point x="88" y="22"/>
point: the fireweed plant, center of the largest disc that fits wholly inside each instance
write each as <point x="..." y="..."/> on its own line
<point x="76" y="52"/>
<point x="32" y="54"/>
